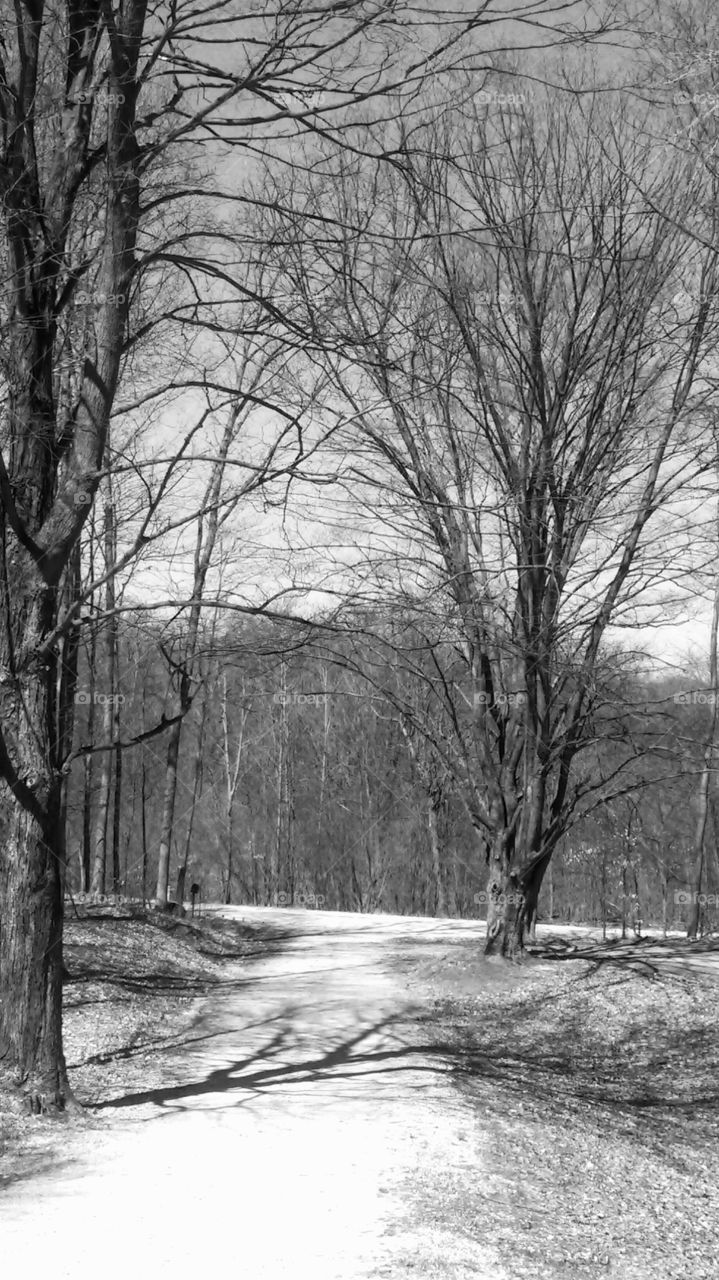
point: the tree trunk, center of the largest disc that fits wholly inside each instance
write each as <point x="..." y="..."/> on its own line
<point x="116" y="814"/>
<point x="513" y="895"/>
<point x="551" y="892"/>
<point x="88" y="770"/>
<point x="440" y="905"/>
<point x="532" y="886"/>
<point x="32" y="852"/>
<point x="196" y="787"/>
<point x="31" y="960"/>
<point x="143" y="824"/>
<point x="168" y="811"/>
<point x="696" y="889"/>
<point x="505" y="904"/>
<point x="230" y="838"/>
<point x="103" y="806"/>
<point x="110" y="706"/>
<point x="86" y="868"/>
<point x="182" y="869"/>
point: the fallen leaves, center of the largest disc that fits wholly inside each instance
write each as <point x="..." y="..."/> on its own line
<point x="597" y="1089"/>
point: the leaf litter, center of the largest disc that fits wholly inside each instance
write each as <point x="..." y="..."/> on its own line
<point x="596" y="1088"/>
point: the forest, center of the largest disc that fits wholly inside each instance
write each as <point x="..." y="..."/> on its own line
<point x="359" y="469"/>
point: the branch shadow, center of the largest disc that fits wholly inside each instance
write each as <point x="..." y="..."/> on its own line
<point x="267" y="1067"/>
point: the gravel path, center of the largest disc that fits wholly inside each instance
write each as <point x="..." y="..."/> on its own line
<point x="298" y="1123"/>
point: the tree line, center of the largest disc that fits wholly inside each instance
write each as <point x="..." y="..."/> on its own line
<point x="301" y="783"/>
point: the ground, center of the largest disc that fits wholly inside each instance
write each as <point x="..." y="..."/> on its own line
<point x="288" y="1093"/>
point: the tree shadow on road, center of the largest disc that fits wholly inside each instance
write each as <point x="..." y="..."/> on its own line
<point x="532" y="1058"/>
<point x="376" y="1048"/>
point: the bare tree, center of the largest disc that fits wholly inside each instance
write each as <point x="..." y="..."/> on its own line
<point x="501" y="314"/>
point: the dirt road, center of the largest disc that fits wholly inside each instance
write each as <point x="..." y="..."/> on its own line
<point x="300" y="1133"/>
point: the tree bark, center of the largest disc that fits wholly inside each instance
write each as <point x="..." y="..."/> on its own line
<point x="513" y="895"/>
<point x="110" y="709"/>
<point x="32" y="853"/>
<point x="168" y="811"/>
<point x="31" y="959"/>
<point x="440" y="904"/>
<point x="506" y="909"/>
<point x="196" y="786"/>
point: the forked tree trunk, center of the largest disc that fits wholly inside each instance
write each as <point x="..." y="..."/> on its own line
<point x="513" y="896"/>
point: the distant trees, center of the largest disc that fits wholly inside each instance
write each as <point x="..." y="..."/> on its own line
<point x="368" y="820"/>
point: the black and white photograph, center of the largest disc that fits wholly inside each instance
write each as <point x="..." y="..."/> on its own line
<point x="359" y="639"/>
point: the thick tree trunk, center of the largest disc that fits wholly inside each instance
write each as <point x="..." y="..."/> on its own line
<point x="32" y="857"/>
<point x="45" y="504"/>
<point x="513" y="896"/>
<point x="505" y="903"/>
<point x="532" y="886"/>
<point x="31" y="961"/>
